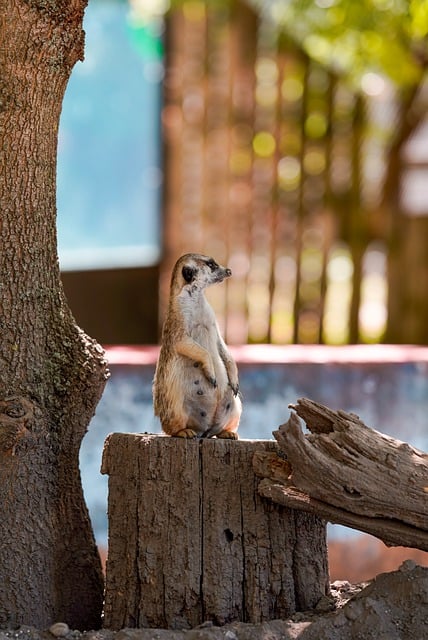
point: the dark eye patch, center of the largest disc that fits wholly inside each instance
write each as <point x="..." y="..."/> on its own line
<point x="188" y="273"/>
<point x="212" y="264"/>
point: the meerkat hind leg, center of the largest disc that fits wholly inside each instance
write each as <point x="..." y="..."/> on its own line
<point x="230" y="435"/>
<point x="185" y="433"/>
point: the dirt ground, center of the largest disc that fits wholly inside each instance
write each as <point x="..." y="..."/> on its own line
<point x="393" y="606"/>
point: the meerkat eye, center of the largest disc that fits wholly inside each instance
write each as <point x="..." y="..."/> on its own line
<point x="212" y="264"/>
<point x="188" y="273"/>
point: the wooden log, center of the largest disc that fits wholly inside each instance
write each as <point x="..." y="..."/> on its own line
<point x="350" y="474"/>
<point x="190" y="539"/>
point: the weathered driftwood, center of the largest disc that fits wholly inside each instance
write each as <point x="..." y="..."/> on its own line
<point x="191" y="540"/>
<point x="349" y="474"/>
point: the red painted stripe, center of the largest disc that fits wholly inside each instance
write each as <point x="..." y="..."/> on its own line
<point x="265" y="354"/>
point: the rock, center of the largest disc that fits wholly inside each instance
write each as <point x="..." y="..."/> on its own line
<point x="394" y="606"/>
<point x="59" y="629"/>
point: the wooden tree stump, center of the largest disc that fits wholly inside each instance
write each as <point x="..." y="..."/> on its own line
<point x="190" y="539"/>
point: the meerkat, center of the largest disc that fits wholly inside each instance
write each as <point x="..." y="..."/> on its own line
<point x="196" y="386"/>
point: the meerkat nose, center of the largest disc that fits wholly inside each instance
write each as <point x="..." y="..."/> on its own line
<point x="228" y="272"/>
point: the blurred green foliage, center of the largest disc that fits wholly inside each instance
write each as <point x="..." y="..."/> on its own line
<point x="351" y="37"/>
<point x="358" y="36"/>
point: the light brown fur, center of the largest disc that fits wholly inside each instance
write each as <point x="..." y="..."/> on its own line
<point x="196" y="387"/>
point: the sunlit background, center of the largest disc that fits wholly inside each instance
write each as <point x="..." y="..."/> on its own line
<point x="289" y="140"/>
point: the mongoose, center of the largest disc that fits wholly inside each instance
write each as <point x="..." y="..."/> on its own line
<point x="196" y="387"/>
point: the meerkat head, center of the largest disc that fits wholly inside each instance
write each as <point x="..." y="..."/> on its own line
<point x="194" y="271"/>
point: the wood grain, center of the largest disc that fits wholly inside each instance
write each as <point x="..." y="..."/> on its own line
<point x="350" y="474"/>
<point x="191" y="540"/>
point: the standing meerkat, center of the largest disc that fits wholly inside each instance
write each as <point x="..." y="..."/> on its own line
<point x="196" y="387"/>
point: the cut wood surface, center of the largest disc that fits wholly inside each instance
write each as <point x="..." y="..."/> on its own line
<point x="349" y="474"/>
<point x="190" y="539"/>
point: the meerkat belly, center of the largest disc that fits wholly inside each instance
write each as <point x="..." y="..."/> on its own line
<point x="207" y="337"/>
<point x="206" y="406"/>
<point x="203" y="401"/>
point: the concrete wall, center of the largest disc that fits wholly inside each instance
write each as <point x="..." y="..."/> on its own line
<point x="387" y="386"/>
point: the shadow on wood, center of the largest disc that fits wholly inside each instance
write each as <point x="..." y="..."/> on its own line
<point x="190" y="539"/>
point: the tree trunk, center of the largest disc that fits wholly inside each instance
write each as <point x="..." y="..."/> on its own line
<point x="349" y="474"/>
<point x="190" y="540"/>
<point x="407" y="253"/>
<point x="51" y="374"/>
<point x="408" y="281"/>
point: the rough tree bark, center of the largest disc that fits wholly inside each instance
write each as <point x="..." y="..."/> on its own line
<point x="349" y="474"/>
<point x="51" y="374"/>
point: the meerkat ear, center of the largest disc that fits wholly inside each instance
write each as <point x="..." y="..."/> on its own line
<point x="188" y="274"/>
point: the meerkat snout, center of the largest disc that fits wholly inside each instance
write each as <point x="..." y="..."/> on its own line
<point x="196" y="387"/>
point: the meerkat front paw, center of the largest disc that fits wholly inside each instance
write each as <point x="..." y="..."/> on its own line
<point x="211" y="378"/>
<point x="234" y="387"/>
<point x="230" y="435"/>
<point x="185" y="433"/>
